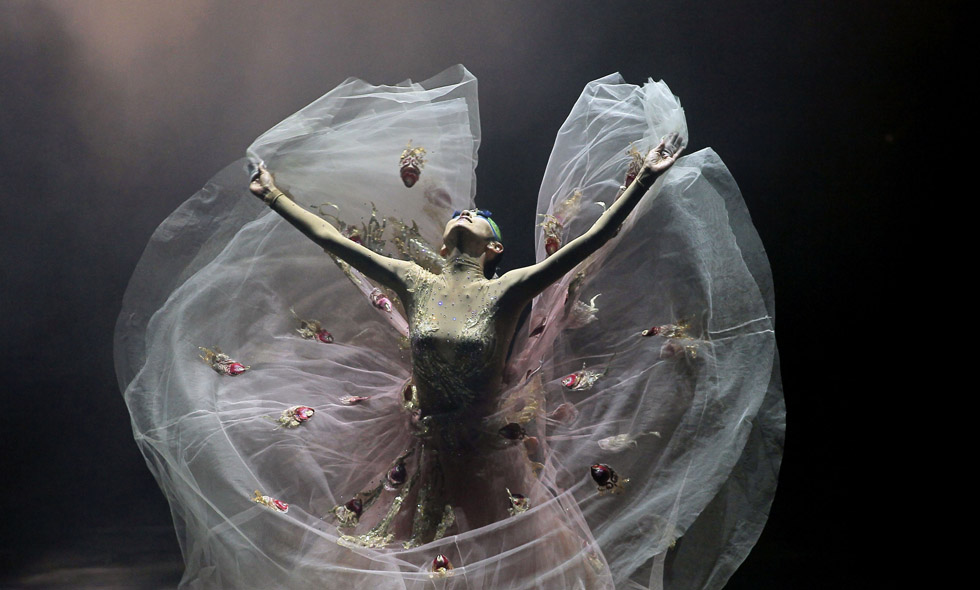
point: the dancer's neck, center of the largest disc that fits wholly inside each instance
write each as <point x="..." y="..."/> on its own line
<point x="459" y="263"/>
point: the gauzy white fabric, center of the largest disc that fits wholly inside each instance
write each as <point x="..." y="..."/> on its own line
<point x="692" y="415"/>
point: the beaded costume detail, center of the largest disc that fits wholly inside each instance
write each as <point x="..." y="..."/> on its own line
<point x="453" y="342"/>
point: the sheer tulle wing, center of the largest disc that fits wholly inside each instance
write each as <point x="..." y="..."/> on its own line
<point x="226" y="441"/>
<point x="341" y="153"/>
<point x="659" y="351"/>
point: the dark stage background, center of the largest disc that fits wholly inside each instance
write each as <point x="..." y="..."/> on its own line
<point x="113" y="112"/>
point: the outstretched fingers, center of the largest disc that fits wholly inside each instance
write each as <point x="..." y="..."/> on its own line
<point x="673" y="145"/>
<point x="667" y="151"/>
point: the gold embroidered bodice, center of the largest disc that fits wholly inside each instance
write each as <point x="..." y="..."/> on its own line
<point x="457" y="355"/>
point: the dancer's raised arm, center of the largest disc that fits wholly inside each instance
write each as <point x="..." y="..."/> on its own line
<point x="387" y="271"/>
<point x="527" y="282"/>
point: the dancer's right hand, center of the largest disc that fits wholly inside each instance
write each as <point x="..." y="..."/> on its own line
<point x="262" y="183"/>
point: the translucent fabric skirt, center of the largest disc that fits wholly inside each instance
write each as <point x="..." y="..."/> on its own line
<point x="645" y="382"/>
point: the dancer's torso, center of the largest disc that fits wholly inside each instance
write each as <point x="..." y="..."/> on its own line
<point x="459" y="334"/>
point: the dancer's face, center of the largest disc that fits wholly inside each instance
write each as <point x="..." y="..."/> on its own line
<point x="469" y="225"/>
<point x="471" y="221"/>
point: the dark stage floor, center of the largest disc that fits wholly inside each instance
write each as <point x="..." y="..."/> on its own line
<point x="132" y="558"/>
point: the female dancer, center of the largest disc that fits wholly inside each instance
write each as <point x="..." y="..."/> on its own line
<point x="460" y="326"/>
<point x="648" y="355"/>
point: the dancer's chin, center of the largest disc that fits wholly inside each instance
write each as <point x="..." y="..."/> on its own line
<point x="453" y="235"/>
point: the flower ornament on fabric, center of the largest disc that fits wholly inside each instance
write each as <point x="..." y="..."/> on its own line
<point x="607" y="479"/>
<point x="349" y="231"/>
<point x="380" y="300"/>
<point x="552" y="228"/>
<point x="350" y="400"/>
<point x="678" y="342"/>
<point x="577" y="311"/>
<point x="583" y="379"/>
<point x="221" y="362"/>
<point x="667" y="331"/>
<point x="396" y="476"/>
<point x="411" y="163"/>
<point x="441" y="567"/>
<point x="554" y="223"/>
<point x="574" y="286"/>
<point x="621" y="442"/>
<point x="349" y="513"/>
<point x="270" y="502"/>
<point x="312" y="330"/>
<point x="410" y="396"/>
<point x="634" y="167"/>
<point x="295" y="416"/>
<point x="582" y="314"/>
<point x="595" y="562"/>
<point x="370" y="234"/>
<point x="374" y="231"/>
<point x="518" y="503"/>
